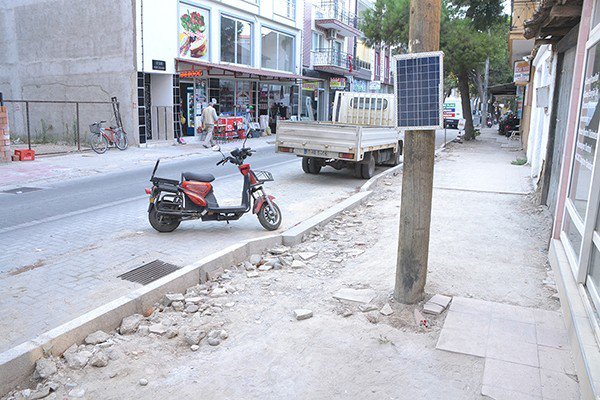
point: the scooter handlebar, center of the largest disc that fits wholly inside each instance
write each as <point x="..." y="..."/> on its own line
<point x="223" y="161"/>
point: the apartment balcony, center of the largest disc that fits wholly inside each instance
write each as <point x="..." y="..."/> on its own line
<point x="362" y="69"/>
<point x="332" y="15"/>
<point x="330" y="60"/>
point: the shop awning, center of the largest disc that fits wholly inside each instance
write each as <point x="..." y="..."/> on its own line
<point x="232" y="71"/>
<point x="552" y="20"/>
<point x="504" y="89"/>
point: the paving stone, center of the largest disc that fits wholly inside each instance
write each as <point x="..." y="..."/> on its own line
<point x="440" y="300"/>
<point x="432" y="308"/>
<point x="97" y="337"/>
<point x="504" y="394"/>
<point x="469" y="341"/>
<point x="468" y="321"/>
<point x="506" y="349"/>
<point x="558" y="386"/>
<point x="355" y="295"/>
<point x="513" y="313"/>
<point x="302" y="313"/>
<point x="512" y="330"/>
<point x="552" y="337"/>
<point x="367" y="307"/>
<point x="558" y="360"/>
<point x="513" y="377"/>
<point x="467" y="305"/>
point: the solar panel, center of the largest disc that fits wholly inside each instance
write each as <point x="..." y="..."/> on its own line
<point x="419" y="90"/>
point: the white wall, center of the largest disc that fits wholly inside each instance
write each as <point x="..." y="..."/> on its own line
<point x="160" y="24"/>
<point x="545" y="73"/>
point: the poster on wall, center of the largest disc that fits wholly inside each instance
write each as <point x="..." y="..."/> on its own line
<point x="337" y="83"/>
<point x="193" y="32"/>
<point x="521" y="72"/>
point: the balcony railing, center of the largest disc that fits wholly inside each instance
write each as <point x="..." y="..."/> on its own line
<point x="331" y="58"/>
<point x="360" y="64"/>
<point x="335" y="10"/>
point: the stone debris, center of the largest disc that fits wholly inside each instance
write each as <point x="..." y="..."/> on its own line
<point x="386" y="310"/>
<point x="99" y="360"/>
<point x="305" y="256"/>
<point x="437" y="304"/>
<point x="45" y="368"/>
<point x="75" y="359"/>
<point x="193" y="336"/>
<point x="177" y="306"/>
<point x="302" y="313"/>
<point x="40" y="393"/>
<point x="278" y="250"/>
<point x="193" y="300"/>
<point x="355" y="295"/>
<point x="420" y="320"/>
<point x="192" y="308"/>
<point x="218" y="292"/>
<point x="298" y="264"/>
<point x="97" y="337"/>
<point x="143" y="382"/>
<point x="171" y="333"/>
<point x="159" y="329"/>
<point x="248" y="266"/>
<point x="77" y="393"/>
<point x="194" y="347"/>
<point x="131" y="324"/>
<point x="367" y="307"/>
<point x="432" y="308"/>
<point x="265" y="267"/>
<point x="255" y="259"/>
<point x="252" y="274"/>
<point x="214" y="341"/>
<point x="214" y="274"/>
<point x="171" y="297"/>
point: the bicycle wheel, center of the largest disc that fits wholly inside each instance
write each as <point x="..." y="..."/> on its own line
<point x="121" y="140"/>
<point x="99" y="143"/>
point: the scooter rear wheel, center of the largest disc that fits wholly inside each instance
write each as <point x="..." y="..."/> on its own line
<point x="161" y="223"/>
<point x="269" y="218"/>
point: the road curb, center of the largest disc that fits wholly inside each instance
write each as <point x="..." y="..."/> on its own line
<point x="18" y="363"/>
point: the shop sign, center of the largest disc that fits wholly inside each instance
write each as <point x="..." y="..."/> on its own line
<point x="159" y="65"/>
<point x="190" y="74"/>
<point x="360" y="85"/>
<point x="520" y="96"/>
<point x="449" y="110"/>
<point x="375" y="85"/>
<point x="337" y="83"/>
<point x="193" y="32"/>
<point x="521" y="72"/>
<point x="310" y="85"/>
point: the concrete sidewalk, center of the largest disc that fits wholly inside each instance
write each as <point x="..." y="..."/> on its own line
<point x="49" y="169"/>
<point x="501" y="338"/>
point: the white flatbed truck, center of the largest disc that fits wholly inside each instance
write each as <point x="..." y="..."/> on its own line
<point x="362" y="136"/>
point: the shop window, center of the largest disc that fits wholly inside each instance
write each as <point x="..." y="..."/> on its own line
<point x="317" y="41"/>
<point x="587" y="134"/>
<point x="593" y="280"/>
<point x="285" y="8"/>
<point x="573" y="235"/>
<point x="596" y="17"/>
<point x="277" y="50"/>
<point x="236" y="41"/>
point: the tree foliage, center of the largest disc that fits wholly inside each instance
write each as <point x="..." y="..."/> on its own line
<point x="471" y="31"/>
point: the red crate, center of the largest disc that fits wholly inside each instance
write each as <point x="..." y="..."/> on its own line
<point x="25" y="155"/>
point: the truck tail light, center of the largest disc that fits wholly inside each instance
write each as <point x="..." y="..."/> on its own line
<point x="285" y="149"/>
<point x="348" y="156"/>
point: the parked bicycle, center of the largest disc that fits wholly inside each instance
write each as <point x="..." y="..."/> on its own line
<point x="102" y="138"/>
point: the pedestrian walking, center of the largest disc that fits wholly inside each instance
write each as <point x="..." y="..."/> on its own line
<point x="209" y="119"/>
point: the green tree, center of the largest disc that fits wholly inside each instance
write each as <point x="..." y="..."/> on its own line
<point x="471" y="31"/>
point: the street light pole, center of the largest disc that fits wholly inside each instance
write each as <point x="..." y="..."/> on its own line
<point x="417" y="177"/>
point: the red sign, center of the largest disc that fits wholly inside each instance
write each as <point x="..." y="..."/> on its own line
<point x="191" y="74"/>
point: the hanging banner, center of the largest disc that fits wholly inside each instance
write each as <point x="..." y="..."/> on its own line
<point x="310" y="85"/>
<point x="521" y="72"/>
<point x="337" y="83"/>
<point x="193" y="32"/>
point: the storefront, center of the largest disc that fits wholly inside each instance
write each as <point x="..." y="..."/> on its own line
<point x="253" y="95"/>
<point x="313" y="95"/>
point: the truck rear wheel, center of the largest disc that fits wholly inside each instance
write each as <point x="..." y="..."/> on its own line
<point x="311" y="165"/>
<point x="368" y="168"/>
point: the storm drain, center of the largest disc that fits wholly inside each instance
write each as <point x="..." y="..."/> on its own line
<point x="149" y="272"/>
<point x="21" y="190"/>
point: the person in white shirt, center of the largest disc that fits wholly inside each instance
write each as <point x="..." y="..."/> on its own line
<point x="209" y="119"/>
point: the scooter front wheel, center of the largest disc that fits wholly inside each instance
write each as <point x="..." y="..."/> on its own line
<point x="269" y="217"/>
<point x="161" y="223"/>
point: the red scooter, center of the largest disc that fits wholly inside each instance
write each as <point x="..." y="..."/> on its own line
<point x="192" y="197"/>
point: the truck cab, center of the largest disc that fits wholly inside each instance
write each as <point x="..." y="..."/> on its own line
<point x="452" y="112"/>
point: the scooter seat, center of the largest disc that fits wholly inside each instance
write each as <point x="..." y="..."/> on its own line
<point x="191" y="176"/>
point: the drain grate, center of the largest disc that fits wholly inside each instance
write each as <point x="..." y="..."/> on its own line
<point x="21" y="190"/>
<point x="149" y="272"/>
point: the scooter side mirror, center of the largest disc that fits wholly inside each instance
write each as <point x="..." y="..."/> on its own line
<point x="216" y="147"/>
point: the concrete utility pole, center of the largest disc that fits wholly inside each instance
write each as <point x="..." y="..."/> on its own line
<point x="417" y="178"/>
<point x="486" y="83"/>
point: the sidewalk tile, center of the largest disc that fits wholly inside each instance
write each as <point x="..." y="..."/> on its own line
<point x="512" y="330"/>
<point x="465" y="341"/>
<point x="552" y="337"/>
<point x="476" y="306"/>
<point x="504" y="394"/>
<point x="464" y="320"/>
<point x="513" y="313"/>
<point x="558" y="386"/>
<point x="558" y="360"/>
<point x="506" y="349"/>
<point x="512" y="377"/>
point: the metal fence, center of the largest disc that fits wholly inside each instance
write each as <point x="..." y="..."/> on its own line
<point x="55" y="126"/>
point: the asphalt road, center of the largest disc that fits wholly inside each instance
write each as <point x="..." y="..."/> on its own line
<point x="91" y="193"/>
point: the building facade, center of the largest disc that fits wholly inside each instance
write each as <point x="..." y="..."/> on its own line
<point x="561" y="126"/>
